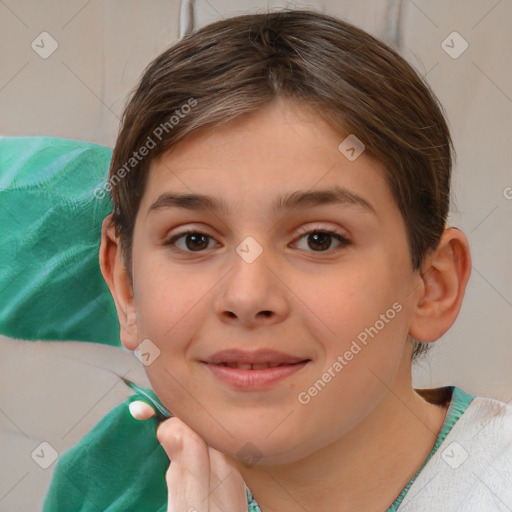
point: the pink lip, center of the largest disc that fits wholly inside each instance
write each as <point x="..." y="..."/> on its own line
<point x="248" y="379"/>
<point x="252" y="380"/>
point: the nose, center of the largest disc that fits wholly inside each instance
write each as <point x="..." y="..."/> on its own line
<point x="252" y="294"/>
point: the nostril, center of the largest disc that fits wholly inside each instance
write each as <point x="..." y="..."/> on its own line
<point x="266" y="313"/>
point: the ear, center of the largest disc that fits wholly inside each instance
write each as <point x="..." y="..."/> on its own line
<point x="118" y="280"/>
<point x="444" y="277"/>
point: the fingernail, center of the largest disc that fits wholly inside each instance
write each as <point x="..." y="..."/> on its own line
<point x="141" y="410"/>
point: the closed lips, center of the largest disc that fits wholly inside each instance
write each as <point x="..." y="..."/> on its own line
<point x="253" y="371"/>
<point x="258" y="360"/>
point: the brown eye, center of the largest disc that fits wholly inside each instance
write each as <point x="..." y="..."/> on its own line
<point x="196" y="241"/>
<point x="321" y="241"/>
<point x="193" y="241"/>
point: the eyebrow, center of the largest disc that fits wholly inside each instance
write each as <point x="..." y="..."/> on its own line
<point x="298" y="199"/>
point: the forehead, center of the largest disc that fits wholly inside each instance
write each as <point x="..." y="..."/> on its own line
<point x="264" y="157"/>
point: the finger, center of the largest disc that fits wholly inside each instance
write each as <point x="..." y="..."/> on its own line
<point x="227" y="487"/>
<point x="188" y="475"/>
<point x="141" y="410"/>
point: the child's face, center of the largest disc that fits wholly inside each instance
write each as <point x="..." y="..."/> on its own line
<point x="201" y="296"/>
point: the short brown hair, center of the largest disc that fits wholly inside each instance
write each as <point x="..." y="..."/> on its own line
<point x="357" y="83"/>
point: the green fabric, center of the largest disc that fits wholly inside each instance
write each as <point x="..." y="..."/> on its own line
<point x="120" y="465"/>
<point x="50" y="282"/>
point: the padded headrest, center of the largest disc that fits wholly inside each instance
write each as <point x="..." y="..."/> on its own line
<point x="51" y="287"/>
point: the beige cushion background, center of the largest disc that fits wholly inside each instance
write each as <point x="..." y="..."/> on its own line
<point x="56" y="392"/>
<point x="53" y="392"/>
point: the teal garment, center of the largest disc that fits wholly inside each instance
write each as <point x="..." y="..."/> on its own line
<point x="120" y="465"/>
<point x="52" y="204"/>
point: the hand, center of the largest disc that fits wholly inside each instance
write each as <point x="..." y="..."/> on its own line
<point x="199" y="478"/>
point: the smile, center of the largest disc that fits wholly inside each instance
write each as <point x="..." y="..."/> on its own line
<point x="254" y="377"/>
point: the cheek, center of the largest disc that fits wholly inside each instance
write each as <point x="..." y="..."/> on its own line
<point x="361" y="323"/>
<point x="169" y="311"/>
<point x="165" y="298"/>
<point x="341" y="305"/>
<point x="172" y="305"/>
<point x="359" y="368"/>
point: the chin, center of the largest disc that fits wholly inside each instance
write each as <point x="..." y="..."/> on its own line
<point x="252" y="448"/>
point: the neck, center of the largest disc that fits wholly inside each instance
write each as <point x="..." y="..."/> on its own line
<point x="364" y="470"/>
